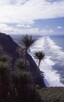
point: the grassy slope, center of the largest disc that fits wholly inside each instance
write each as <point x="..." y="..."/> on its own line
<point x="52" y="94"/>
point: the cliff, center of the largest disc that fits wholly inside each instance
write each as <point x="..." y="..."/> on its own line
<point x="9" y="46"/>
<point x="35" y="70"/>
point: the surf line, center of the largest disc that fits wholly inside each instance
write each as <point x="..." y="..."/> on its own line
<point x="51" y="77"/>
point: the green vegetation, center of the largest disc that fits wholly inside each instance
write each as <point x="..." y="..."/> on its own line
<point x="26" y="41"/>
<point x="18" y="85"/>
<point x="3" y="67"/>
<point x="52" y="94"/>
<point x="4" y="81"/>
<point x="39" y="55"/>
<point x="4" y="58"/>
<point x="20" y="63"/>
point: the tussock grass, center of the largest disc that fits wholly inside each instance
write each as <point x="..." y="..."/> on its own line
<point x="52" y="94"/>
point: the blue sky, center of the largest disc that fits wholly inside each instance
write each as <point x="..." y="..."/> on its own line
<point x="43" y="17"/>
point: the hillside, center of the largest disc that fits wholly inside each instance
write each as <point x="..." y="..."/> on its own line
<point x="10" y="47"/>
<point x="52" y="94"/>
<point x="18" y="85"/>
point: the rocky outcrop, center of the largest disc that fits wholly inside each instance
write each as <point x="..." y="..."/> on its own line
<point x="36" y="72"/>
<point x="9" y="46"/>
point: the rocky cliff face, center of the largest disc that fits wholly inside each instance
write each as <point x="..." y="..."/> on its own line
<point x="35" y="70"/>
<point x="9" y="46"/>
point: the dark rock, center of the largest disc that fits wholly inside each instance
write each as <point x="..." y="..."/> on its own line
<point x="9" y="46"/>
<point x="35" y="70"/>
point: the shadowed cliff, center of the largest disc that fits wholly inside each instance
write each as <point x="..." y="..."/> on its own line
<point x="9" y="47"/>
<point x="35" y="70"/>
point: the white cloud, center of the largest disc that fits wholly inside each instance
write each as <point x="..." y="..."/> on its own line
<point x="28" y="12"/>
<point x="23" y="25"/>
<point x="19" y="2"/>
<point x="54" y="0"/>
<point x="4" y="2"/>
<point x="5" y="28"/>
<point x="23" y="13"/>
<point x="59" y="27"/>
<point x="30" y="30"/>
<point x="9" y="2"/>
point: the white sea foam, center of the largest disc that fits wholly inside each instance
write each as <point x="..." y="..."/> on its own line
<point x="53" y="55"/>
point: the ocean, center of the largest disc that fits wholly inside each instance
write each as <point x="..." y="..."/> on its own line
<point x="53" y="63"/>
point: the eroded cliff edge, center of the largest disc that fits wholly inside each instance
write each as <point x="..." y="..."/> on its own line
<point x="9" y="47"/>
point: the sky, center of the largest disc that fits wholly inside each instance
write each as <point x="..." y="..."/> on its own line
<point x="43" y="17"/>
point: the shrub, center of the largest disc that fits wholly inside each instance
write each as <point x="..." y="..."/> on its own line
<point x="22" y="88"/>
<point x="20" y="64"/>
<point x="5" y="58"/>
<point x="4" y="81"/>
<point x="3" y="67"/>
<point x="21" y="78"/>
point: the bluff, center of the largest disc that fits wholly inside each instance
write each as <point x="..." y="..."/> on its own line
<point x="9" y="46"/>
<point x="34" y="68"/>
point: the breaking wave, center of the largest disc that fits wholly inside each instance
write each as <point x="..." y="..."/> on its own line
<point x="53" y="64"/>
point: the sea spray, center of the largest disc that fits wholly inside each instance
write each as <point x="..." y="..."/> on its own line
<point x="53" y="56"/>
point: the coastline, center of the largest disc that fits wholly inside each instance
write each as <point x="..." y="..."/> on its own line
<point x="34" y="68"/>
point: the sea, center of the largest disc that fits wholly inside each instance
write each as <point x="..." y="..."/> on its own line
<point x="52" y="65"/>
